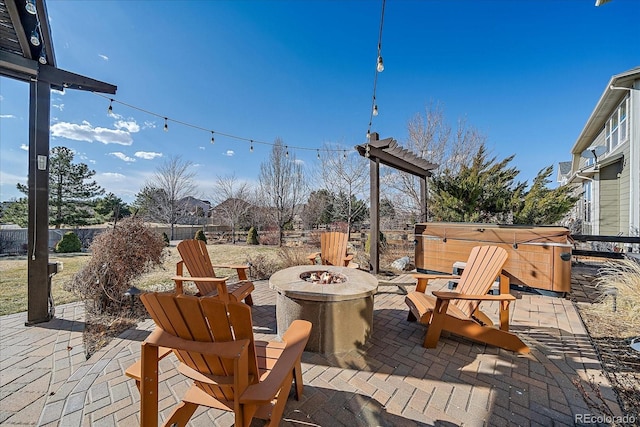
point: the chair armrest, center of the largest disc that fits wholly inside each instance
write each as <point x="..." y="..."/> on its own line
<point x="423" y="279"/>
<point x="295" y="338"/>
<point x="348" y="257"/>
<point x="435" y="276"/>
<point x="232" y="266"/>
<point x="313" y="255"/>
<point x="200" y="279"/>
<point x="454" y="295"/>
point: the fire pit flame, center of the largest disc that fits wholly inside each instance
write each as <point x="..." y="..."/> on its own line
<point x="323" y="277"/>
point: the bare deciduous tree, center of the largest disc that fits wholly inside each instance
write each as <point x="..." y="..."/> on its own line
<point x="345" y="173"/>
<point x="282" y="186"/>
<point x="231" y="198"/>
<point x="431" y="137"/>
<point x="161" y="198"/>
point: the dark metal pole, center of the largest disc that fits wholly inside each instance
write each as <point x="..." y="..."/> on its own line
<point x="38" y="245"/>
<point x="374" y="197"/>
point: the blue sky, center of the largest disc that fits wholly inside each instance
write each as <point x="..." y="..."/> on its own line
<point x="527" y="74"/>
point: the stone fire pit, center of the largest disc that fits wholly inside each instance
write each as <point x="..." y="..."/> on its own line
<point x="341" y="313"/>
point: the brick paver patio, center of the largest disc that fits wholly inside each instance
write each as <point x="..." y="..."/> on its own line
<point x="389" y="381"/>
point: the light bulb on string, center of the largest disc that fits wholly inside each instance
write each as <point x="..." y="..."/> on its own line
<point x="344" y="154"/>
<point x="368" y="134"/>
<point x="251" y="147"/>
<point x="35" y="37"/>
<point x="286" y="154"/>
<point x="166" y="125"/>
<point x="212" y="139"/>
<point x="367" y="149"/>
<point x="43" y="57"/>
<point x="375" y="110"/>
<point x="318" y="154"/>
<point x="380" y="65"/>
<point x="30" y="6"/>
<point x="110" y="109"/>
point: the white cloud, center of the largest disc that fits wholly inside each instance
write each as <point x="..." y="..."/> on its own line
<point x="201" y="147"/>
<point x="122" y="156"/>
<point x="115" y="176"/>
<point x="93" y="162"/>
<point x="149" y="125"/>
<point x="24" y="147"/>
<point x="229" y="153"/>
<point x="299" y="162"/>
<point x="7" y="116"/>
<point x="130" y="126"/>
<point x="58" y="106"/>
<point x="147" y="155"/>
<point x="86" y="132"/>
<point x="105" y="57"/>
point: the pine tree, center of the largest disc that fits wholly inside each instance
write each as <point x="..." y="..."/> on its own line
<point x="542" y="205"/>
<point x="70" y="192"/>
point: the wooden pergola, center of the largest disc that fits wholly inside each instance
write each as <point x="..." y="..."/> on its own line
<point x="26" y="54"/>
<point x="389" y="153"/>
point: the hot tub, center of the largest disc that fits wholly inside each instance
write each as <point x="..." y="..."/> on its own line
<point x="341" y="313"/>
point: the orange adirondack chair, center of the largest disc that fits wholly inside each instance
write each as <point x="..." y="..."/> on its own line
<point x="333" y="250"/>
<point x="457" y="312"/>
<point x="196" y="258"/>
<point x="214" y="343"/>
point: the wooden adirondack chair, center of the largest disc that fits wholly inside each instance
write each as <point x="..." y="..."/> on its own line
<point x="457" y="312"/>
<point x="196" y="258"/>
<point x="333" y="250"/>
<point x="214" y="343"/>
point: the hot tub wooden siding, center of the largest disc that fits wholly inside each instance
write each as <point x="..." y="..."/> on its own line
<point x="539" y="257"/>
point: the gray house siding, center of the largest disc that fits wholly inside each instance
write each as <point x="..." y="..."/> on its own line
<point x="610" y="199"/>
<point x="625" y="191"/>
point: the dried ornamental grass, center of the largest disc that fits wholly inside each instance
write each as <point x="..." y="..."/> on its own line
<point x="624" y="277"/>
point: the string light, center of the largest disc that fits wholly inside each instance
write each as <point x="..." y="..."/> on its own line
<point x="43" y="57"/>
<point x="366" y="150"/>
<point x="208" y="130"/>
<point x="379" y="69"/>
<point x="35" y="37"/>
<point x="344" y="155"/>
<point x="318" y="154"/>
<point x="30" y="6"/>
<point x="286" y="154"/>
<point x="212" y="139"/>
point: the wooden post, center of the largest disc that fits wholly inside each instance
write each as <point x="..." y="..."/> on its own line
<point x="38" y="234"/>
<point x="424" y="208"/>
<point x="374" y="197"/>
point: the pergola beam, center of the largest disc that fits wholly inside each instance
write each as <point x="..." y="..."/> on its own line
<point x="389" y="153"/>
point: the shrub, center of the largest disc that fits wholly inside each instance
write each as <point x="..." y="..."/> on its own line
<point x="201" y="236"/>
<point x="120" y="255"/>
<point x="167" y="242"/>
<point x="292" y="256"/>
<point x="262" y="267"/>
<point x="252" y="237"/>
<point x="70" y="242"/>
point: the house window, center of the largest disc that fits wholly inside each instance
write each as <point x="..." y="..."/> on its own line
<point x="616" y="128"/>
<point x="587" y="197"/>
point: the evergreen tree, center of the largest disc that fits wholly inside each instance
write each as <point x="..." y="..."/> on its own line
<point x="16" y="212"/>
<point x="480" y="192"/>
<point x="111" y="208"/>
<point x="70" y="191"/>
<point x="542" y="205"/>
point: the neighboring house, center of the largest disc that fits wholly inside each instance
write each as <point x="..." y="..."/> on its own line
<point x="606" y="161"/>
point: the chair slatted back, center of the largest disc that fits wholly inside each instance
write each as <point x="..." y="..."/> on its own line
<point x="333" y="248"/>
<point x="483" y="266"/>
<point x="205" y="320"/>
<point x="196" y="258"/>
